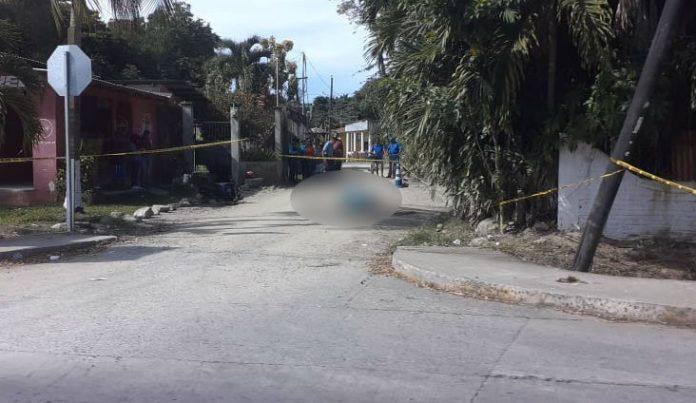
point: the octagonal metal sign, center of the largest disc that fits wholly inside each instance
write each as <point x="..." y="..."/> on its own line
<point x="69" y="60"/>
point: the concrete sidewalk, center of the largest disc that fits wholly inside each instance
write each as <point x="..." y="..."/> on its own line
<point x="493" y="275"/>
<point x="30" y="245"/>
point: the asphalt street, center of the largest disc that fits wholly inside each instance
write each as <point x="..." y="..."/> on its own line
<point x="253" y="303"/>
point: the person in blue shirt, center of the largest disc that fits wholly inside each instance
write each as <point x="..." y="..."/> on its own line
<point x="327" y="151"/>
<point x="394" y="150"/>
<point x="377" y="154"/>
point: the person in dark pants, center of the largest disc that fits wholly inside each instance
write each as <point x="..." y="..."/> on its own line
<point x="338" y="152"/>
<point x="308" y="164"/>
<point x="135" y="162"/>
<point x="145" y="159"/>
<point x="394" y="154"/>
<point x="294" y="163"/>
<point x="377" y="155"/>
<point x="327" y="152"/>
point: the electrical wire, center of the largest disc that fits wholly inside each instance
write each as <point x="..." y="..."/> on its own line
<point x="317" y="73"/>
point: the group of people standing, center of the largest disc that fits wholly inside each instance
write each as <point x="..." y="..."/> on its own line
<point x="377" y="155"/>
<point x="133" y="170"/>
<point x="328" y="157"/>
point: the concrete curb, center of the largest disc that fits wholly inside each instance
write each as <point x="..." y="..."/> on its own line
<point x="603" y="307"/>
<point x="56" y="247"/>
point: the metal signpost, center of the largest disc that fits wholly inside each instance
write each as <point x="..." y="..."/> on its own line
<point x="69" y="73"/>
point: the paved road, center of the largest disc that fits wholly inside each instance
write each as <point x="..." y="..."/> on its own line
<point x="254" y="303"/>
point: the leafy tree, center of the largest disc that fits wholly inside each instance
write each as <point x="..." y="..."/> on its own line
<point x="344" y="110"/>
<point x="461" y="75"/>
<point x="287" y="70"/>
<point x="179" y="43"/>
<point x="35" y="24"/>
<point x="241" y="63"/>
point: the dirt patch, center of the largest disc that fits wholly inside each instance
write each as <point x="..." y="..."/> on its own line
<point x="649" y="259"/>
<point x="382" y="265"/>
<point x="662" y="259"/>
<point x="55" y="257"/>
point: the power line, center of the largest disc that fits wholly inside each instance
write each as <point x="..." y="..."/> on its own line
<point x="317" y="73"/>
<point x="94" y="77"/>
<point x="24" y="58"/>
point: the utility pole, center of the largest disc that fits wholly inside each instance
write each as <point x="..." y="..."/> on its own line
<point x="74" y="106"/>
<point x="631" y="127"/>
<point x="277" y="79"/>
<point x="304" y="82"/>
<point x="331" y="103"/>
<point x="303" y="87"/>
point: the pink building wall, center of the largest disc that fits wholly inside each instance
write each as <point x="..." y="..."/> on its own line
<point x="139" y="114"/>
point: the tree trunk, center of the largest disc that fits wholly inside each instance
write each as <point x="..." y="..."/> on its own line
<point x="498" y="174"/>
<point x="381" y="65"/>
<point x="553" y="59"/>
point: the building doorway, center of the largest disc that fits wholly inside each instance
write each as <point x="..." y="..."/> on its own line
<point x="16" y="175"/>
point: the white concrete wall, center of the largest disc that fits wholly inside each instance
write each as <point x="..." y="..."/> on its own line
<point x="362" y="125"/>
<point x="643" y="208"/>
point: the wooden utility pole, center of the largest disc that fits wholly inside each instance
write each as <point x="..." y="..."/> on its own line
<point x="304" y="83"/>
<point x="331" y="103"/>
<point x="277" y="79"/>
<point x="631" y="127"/>
<point x="303" y="87"/>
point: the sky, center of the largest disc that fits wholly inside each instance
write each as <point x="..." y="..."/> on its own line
<point x="332" y="44"/>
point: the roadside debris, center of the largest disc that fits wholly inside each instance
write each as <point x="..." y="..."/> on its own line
<point x="571" y="280"/>
<point x="143" y="213"/>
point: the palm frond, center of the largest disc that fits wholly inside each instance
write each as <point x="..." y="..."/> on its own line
<point x="18" y="101"/>
<point x="10" y="38"/>
<point x="685" y="64"/>
<point x="629" y="13"/>
<point x="589" y="22"/>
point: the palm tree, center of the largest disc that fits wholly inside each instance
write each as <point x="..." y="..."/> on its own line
<point x="455" y="72"/>
<point x="15" y="99"/>
<point x="241" y="62"/>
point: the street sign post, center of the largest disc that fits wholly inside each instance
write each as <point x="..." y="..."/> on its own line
<point x="69" y="73"/>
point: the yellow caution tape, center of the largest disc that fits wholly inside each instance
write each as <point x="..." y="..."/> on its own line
<point x="129" y="153"/>
<point x="654" y="177"/>
<point x="549" y="191"/>
<point x="28" y="159"/>
<point x="622" y="164"/>
<point x="346" y="159"/>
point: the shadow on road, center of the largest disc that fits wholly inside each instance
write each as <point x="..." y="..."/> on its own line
<point x="255" y="233"/>
<point x="120" y="253"/>
<point x="409" y="217"/>
<point x="217" y="226"/>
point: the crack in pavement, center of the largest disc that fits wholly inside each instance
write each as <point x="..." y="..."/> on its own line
<point x="497" y="360"/>
<point x="484" y="377"/>
<point x="466" y="314"/>
<point x="538" y="378"/>
<point x="364" y="284"/>
<point x="119" y="358"/>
